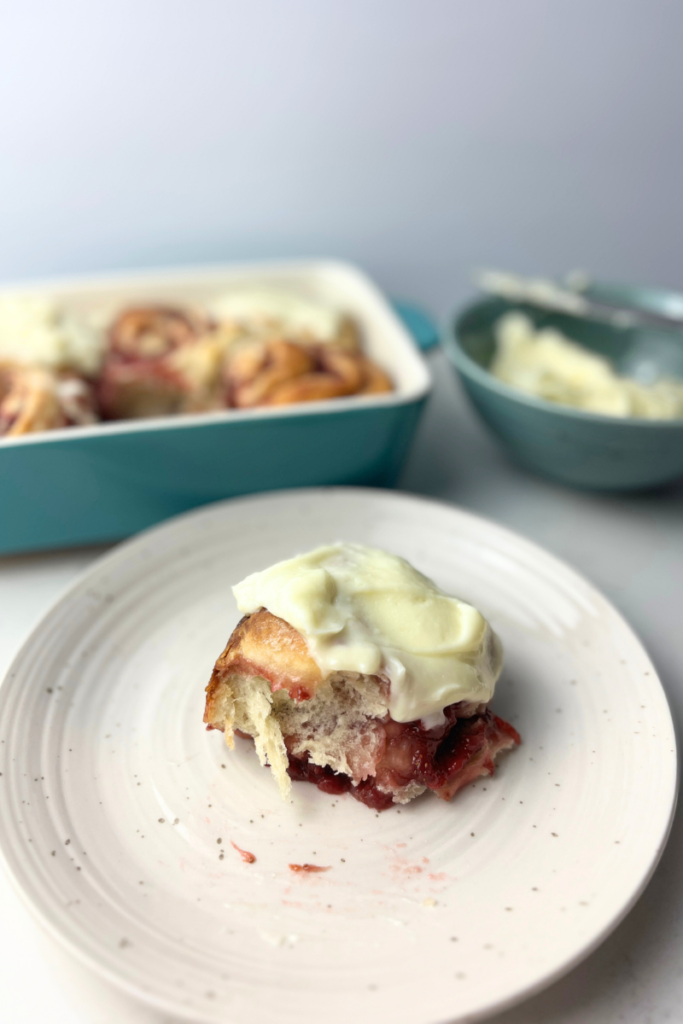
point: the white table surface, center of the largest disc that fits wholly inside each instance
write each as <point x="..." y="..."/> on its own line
<point x="630" y="547"/>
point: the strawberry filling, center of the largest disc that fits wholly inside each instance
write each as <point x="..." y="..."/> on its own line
<point x="443" y="759"/>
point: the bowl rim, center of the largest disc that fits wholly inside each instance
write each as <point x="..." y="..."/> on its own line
<point x="468" y="367"/>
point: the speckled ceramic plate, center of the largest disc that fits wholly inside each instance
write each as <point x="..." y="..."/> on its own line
<point x="118" y="811"/>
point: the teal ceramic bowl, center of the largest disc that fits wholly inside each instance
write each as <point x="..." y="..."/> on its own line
<point x="578" y="448"/>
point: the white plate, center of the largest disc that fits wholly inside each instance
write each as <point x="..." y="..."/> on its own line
<point x="118" y="809"/>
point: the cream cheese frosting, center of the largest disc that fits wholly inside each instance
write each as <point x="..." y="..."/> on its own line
<point x="363" y="610"/>
<point x="547" y="364"/>
<point x="295" y="314"/>
<point x="36" y="331"/>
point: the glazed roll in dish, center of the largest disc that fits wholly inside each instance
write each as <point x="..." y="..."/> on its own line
<point x="161" y="360"/>
<point x="353" y="671"/>
<point x="279" y="372"/>
<point x="34" y="398"/>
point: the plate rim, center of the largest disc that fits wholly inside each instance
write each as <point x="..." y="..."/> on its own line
<point x="121" y="551"/>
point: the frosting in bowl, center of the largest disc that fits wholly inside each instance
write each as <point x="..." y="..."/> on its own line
<point x="549" y="365"/>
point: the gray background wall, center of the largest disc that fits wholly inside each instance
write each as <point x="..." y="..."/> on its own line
<point x="418" y="137"/>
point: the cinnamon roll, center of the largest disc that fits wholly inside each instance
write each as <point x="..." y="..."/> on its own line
<point x="281" y="372"/>
<point x="33" y="399"/>
<point x="354" y="672"/>
<point x="161" y="360"/>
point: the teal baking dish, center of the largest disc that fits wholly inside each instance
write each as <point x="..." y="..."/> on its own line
<point x="85" y="485"/>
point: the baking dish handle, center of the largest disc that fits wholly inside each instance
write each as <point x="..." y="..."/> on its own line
<point x="419" y="324"/>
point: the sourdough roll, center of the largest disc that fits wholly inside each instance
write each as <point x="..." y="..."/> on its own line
<point x="352" y="670"/>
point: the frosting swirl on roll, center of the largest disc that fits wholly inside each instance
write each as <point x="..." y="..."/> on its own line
<point x="363" y="610"/>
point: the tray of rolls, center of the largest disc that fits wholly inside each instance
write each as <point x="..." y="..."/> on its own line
<point x="129" y="398"/>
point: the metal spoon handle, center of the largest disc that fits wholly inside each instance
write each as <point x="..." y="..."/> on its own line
<point x="551" y="296"/>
